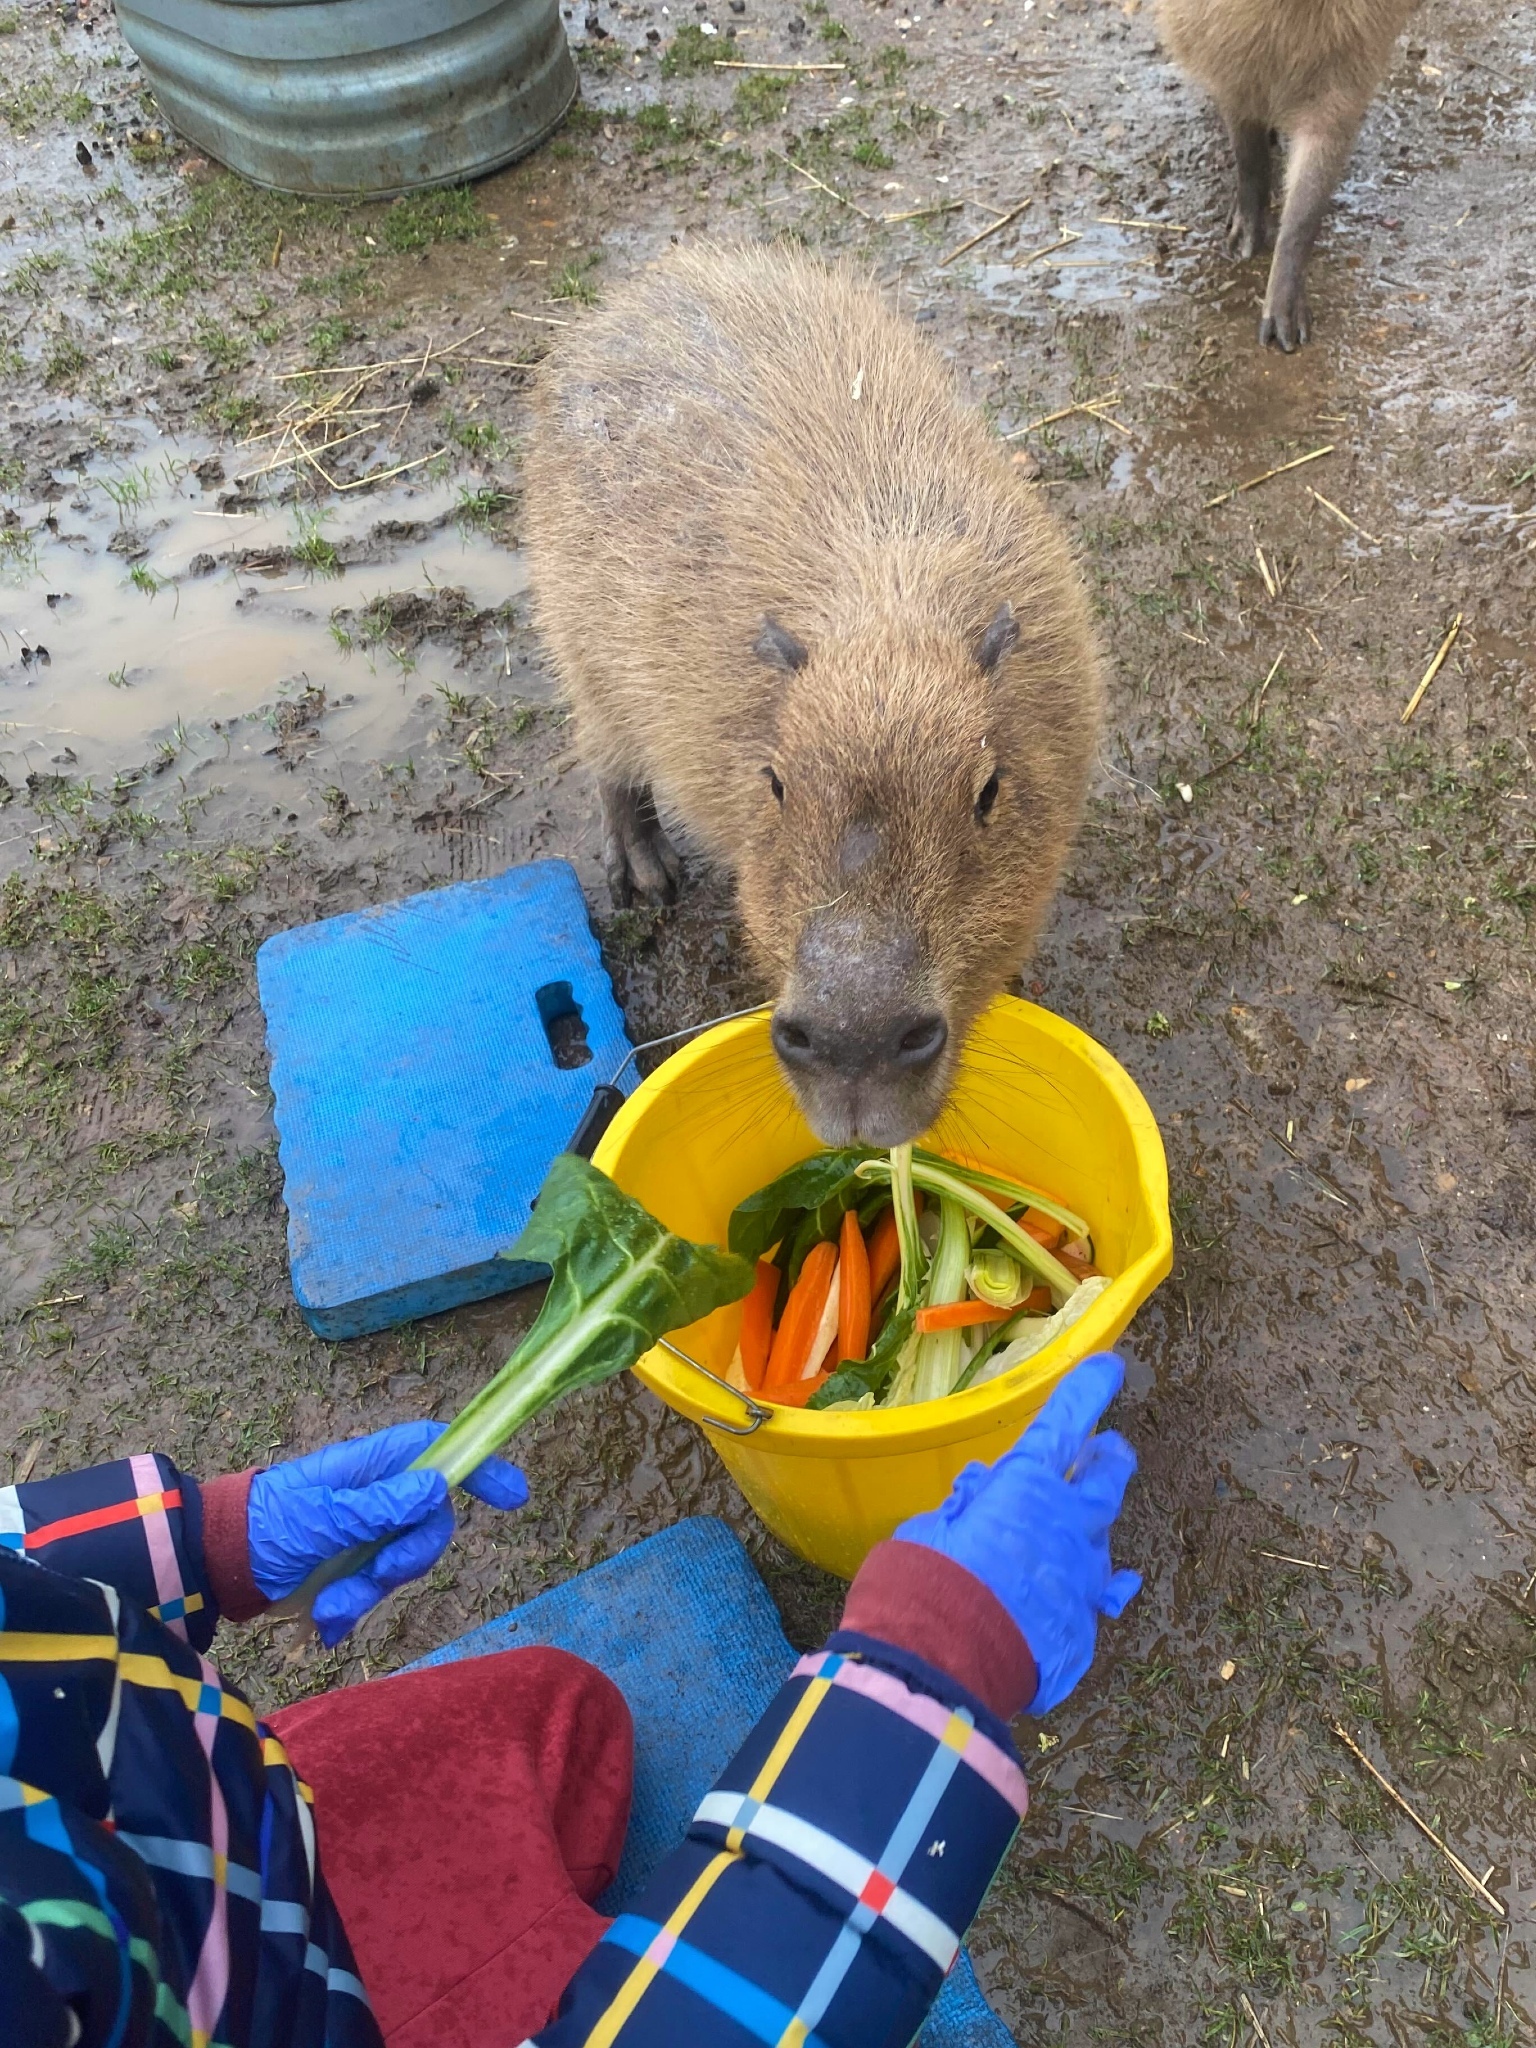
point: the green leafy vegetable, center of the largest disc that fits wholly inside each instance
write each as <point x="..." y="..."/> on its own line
<point x="776" y="1212"/>
<point x="618" y="1281"/>
<point x="870" y="1375"/>
<point x="935" y="1181"/>
<point x="1013" y="1191"/>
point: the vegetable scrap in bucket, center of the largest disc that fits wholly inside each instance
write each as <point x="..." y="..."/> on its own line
<point x="888" y="1278"/>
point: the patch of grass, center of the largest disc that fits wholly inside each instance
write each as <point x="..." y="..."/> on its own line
<point x="832" y="31"/>
<point x="65" y="362"/>
<point x="165" y="358"/>
<point x="237" y="413"/>
<point x="224" y="348"/>
<point x="327" y="339"/>
<point x="142" y="577"/>
<point x="574" y="285"/>
<point x="476" y="437"/>
<point x="129" y="491"/>
<point x="656" y="126"/>
<point x="252" y="1181"/>
<point x="312" y="550"/>
<point x="112" y="1248"/>
<point x="10" y="21"/>
<point x="891" y="64"/>
<point x="18" y="553"/>
<point x="13" y="473"/>
<point x="422" y="218"/>
<point x="689" y="52"/>
<point x="759" y="99"/>
<point x="479" y="507"/>
<point x="30" y="277"/>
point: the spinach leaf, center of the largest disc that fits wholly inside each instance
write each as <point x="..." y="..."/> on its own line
<point x="872" y="1375"/>
<point x="776" y="1211"/>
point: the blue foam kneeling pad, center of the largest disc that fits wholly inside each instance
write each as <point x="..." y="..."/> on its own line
<point x="417" y="1099"/>
<point x="687" y="1631"/>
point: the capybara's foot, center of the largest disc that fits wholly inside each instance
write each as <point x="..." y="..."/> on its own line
<point x="1286" y="322"/>
<point x="1248" y="225"/>
<point x="641" y="862"/>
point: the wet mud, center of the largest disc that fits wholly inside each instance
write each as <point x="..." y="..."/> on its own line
<point x="273" y="689"/>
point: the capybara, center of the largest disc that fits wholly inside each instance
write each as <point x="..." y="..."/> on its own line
<point x="807" y="611"/>
<point x="1306" y="69"/>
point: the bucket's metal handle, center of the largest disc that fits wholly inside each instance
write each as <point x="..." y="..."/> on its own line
<point x="758" y="1413"/>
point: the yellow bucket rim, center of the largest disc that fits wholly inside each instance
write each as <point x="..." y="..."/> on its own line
<point x="808" y="1433"/>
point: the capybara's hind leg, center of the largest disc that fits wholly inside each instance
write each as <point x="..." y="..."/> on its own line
<point x="1248" y="225"/>
<point x="640" y="859"/>
<point x="1320" y="148"/>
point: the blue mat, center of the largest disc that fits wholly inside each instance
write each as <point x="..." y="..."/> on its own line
<point x="429" y="1059"/>
<point x="653" y="1618"/>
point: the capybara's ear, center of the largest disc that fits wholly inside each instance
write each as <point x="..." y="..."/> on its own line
<point x="777" y="647"/>
<point x="1000" y="638"/>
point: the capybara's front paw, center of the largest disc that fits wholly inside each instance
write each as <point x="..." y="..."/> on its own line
<point x="1286" y="322"/>
<point x="641" y="862"/>
<point x="1247" y="226"/>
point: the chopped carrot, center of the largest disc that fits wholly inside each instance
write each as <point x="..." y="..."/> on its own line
<point x="1038" y="1302"/>
<point x="798" y="1392"/>
<point x="853" y="1303"/>
<point x="960" y="1315"/>
<point x="1080" y="1269"/>
<point x="757" y="1324"/>
<point x="1045" y="1230"/>
<point x="801" y="1320"/>
<point x="884" y="1255"/>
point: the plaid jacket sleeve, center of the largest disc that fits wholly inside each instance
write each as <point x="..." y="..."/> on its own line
<point x="159" y="1885"/>
<point x="134" y="1525"/>
<point x="825" y="1883"/>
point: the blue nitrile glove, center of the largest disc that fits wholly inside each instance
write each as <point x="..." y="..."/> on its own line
<point x="309" y="1509"/>
<point x="1034" y="1527"/>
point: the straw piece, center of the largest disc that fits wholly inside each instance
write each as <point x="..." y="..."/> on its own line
<point x="993" y="228"/>
<point x="735" y="64"/>
<point x="1048" y="419"/>
<point x="891" y="220"/>
<point x="1433" y="670"/>
<point x="1264" y="475"/>
<point x="1161" y="227"/>
<point x="1473" y="1883"/>
<point x="821" y="186"/>
<point x="1258" y="702"/>
<point x="1282" y="1557"/>
<point x="1329" y="506"/>
<point x="1253" y="2019"/>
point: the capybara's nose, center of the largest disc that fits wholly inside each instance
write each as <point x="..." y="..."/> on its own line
<point x="922" y="1042"/>
<point x="910" y="1043"/>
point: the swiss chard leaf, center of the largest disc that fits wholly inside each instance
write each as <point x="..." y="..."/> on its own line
<point x="872" y="1375"/>
<point x="618" y="1281"/>
<point x="776" y="1211"/>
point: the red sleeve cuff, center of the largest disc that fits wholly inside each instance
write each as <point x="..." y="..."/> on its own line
<point x="227" y="1548"/>
<point x="918" y="1600"/>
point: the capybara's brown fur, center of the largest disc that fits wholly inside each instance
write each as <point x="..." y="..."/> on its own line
<point x="799" y="596"/>
<point x="1307" y="69"/>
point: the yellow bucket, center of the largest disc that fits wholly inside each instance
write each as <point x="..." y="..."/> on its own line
<point x="1034" y="1097"/>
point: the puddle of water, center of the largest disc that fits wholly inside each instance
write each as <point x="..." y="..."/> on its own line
<point x="97" y="668"/>
<point x="1107" y="265"/>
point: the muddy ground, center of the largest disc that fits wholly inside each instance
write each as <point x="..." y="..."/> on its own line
<point x="243" y="687"/>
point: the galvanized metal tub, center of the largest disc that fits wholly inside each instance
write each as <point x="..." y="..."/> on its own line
<point x="360" y="97"/>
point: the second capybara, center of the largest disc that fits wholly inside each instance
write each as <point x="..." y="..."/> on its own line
<point x="1305" y="69"/>
<point x="810" y="617"/>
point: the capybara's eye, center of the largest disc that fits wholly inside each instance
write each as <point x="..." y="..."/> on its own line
<point x="778" y="788"/>
<point x="987" y="798"/>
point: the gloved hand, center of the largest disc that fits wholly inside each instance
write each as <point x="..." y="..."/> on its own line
<point x="309" y="1509"/>
<point x="1034" y="1527"/>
